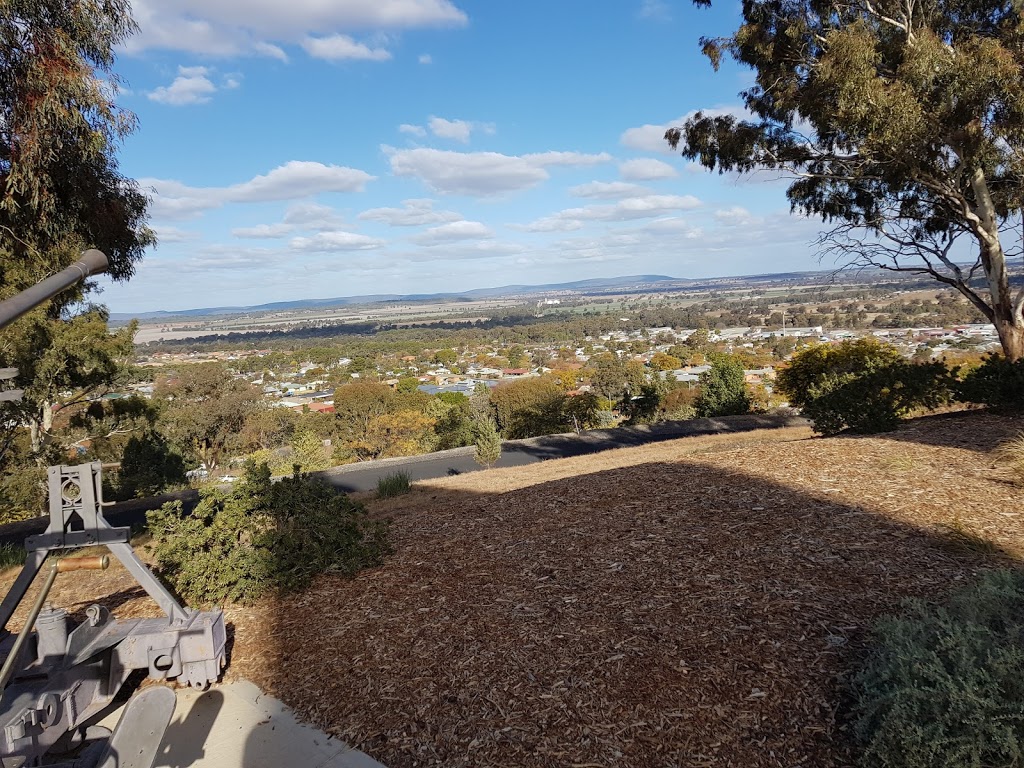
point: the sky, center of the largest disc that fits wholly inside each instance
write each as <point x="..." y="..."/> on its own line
<point x="320" y="148"/>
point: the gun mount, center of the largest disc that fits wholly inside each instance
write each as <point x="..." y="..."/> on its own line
<point x="62" y="674"/>
<point x="58" y="674"/>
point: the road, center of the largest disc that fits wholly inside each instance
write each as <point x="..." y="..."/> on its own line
<point x="363" y="476"/>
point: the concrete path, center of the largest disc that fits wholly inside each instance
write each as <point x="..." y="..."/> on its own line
<point x="235" y="725"/>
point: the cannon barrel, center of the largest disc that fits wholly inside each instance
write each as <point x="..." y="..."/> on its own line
<point x="90" y="263"/>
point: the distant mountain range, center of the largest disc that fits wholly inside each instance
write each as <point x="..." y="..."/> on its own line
<point x="601" y="284"/>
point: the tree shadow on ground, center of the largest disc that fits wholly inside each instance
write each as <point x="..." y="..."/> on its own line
<point x="947" y="430"/>
<point x="685" y="613"/>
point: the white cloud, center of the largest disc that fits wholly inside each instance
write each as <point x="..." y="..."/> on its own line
<point x="261" y="231"/>
<point x="191" y="86"/>
<point x="261" y="27"/>
<point x="342" y="47"/>
<point x="577" y="159"/>
<point x="734" y="215"/>
<point x="166" y="235"/>
<point x="646" y="169"/>
<point x="292" y="181"/>
<point x="607" y="190"/>
<point x="313" y="216"/>
<point x="480" y="173"/>
<point x="651" y="138"/>
<point x="329" y="242"/>
<point x="458" y="130"/>
<point x="656" y="10"/>
<point x="647" y="206"/>
<point x="415" y="130"/>
<point x="269" y="49"/>
<point x="413" y="213"/>
<point x="426" y="58"/>
<point x="456" y="230"/>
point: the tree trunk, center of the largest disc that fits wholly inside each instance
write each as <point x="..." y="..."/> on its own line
<point x="1007" y="319"/>
<point x="1011" y="336"/>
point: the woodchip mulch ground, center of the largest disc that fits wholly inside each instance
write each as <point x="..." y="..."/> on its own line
<point x="698" y="602"/>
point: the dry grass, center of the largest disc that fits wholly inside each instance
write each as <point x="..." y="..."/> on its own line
<point x="1010" y="454"/>
<point x="690" y="603"/>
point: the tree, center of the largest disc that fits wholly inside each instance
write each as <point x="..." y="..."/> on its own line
<point x="488" y="443"/>
<point x="204" y="409"/>
<point x="402" y="433"/>
<point x="723" y="391"/>
<point x="63" y="365"/>
<point x="60" y="193"/>
<point x="902" y="126"/>
<point x="60" y="189"/>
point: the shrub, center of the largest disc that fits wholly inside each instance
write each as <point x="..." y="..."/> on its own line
<point x="862" y="385"/>
<point x="723" y="390"/>
<point x="943" y="687"/>
<point x="149" y="465"/>
<point x="997" y="382"/>
<point x="261" y="537"/>
<point x="1011" y="455"/>
<point x="11" y="556"/>
<point x="488" y="443"/>
<point x="876" y="401"/>
<point x="393" y="485"/>
<point x="810" y="368"/>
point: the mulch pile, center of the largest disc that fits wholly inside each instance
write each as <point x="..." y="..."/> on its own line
<point x="695" y="610"/>
<point x="647" y="607"/>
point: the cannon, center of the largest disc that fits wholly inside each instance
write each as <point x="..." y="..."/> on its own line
<point x="59" y="674"/>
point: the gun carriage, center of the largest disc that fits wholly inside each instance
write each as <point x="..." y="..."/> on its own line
<point x="58" y="675"/>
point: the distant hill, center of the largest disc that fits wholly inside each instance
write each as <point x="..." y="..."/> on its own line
<point x="604" y="284"/>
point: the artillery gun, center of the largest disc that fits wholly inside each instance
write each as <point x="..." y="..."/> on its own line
<point x="58" y="674"/>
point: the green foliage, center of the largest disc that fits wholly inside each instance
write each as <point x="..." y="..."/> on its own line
<point x="997" y="382"/>
<point x="877" y="400"/>
<point x="60" y="189"/>
<point x="149" y="466"/>
<point x="723" y="390"/>
<point x="642" y="406"/>
<point x="11" y="556"/>
<point x="262" y="537"/>
<point x="530" y="406"/>
<point x="203" y="410"/>
<point x="902" y="130"/>
<point x="488" y="443"/>
<point x="861" y="385"/>
<point x="22" y="492"/>
<point x="809" y="369"/>
<point x="943" y="687"/>
<point x="453" y="420"/>
<point x="392" y="485"/>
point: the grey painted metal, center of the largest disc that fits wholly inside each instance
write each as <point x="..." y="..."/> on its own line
<point x="89" y="263"/>
<point x="137" y="735"/>
<point x="68" y="673"/>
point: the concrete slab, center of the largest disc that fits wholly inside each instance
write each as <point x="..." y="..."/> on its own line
<point x="236" y="725"/>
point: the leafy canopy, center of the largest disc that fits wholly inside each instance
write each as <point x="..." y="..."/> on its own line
<point x="901" y="123"/>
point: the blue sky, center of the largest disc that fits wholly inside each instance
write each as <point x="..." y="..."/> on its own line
<point x="317" y="148"/>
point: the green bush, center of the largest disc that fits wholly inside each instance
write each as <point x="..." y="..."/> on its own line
<point x="261" y="537"/>
<point x="723" y="390"/>
<point x="862" y="385"/>
<point x="810" y="368"/>
<point x="943" y="687"/>
<point x="149" y="466"/>
<point x="997" y="382"/>
<point x="393" y="485"/>
<point x="876" y="401"/>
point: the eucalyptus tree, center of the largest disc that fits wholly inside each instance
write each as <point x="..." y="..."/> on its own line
<point x="900" y="124"/>
<point x="60" y="192"/>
